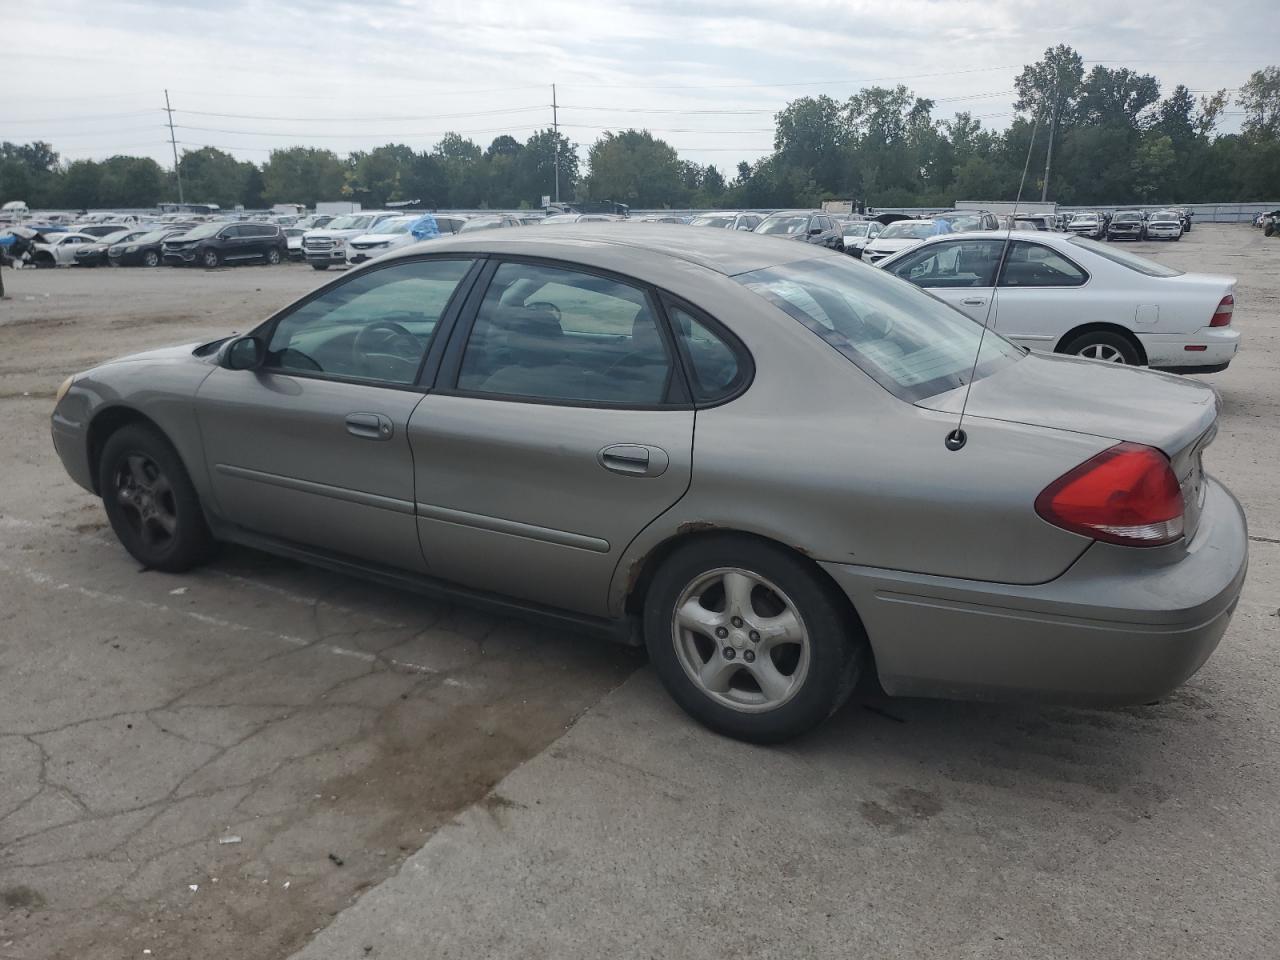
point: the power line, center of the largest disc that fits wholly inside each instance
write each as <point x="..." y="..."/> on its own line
<point x="437" y="116"/>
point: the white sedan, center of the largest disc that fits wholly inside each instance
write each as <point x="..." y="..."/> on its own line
<point x="1059" y="293"/>
<point x="59" y="249"/>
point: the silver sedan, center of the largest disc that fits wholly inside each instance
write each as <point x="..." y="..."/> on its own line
<point x="738" y="451"/>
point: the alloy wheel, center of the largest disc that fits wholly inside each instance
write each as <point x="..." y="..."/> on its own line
<point x="1101" y="351"/>
<point x="741" y="640"/>
<point x="148" y="500"/>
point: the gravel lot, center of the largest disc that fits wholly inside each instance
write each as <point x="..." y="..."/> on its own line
<point x="335" y="728"/>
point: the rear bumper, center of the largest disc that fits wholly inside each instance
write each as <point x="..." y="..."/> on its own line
<point x="1168" y="351"/>
<point x="1109" y="631"/>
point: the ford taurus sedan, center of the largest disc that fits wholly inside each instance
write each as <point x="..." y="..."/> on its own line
<point x="739" y="451"/>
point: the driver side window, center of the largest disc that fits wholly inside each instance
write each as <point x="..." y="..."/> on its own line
<point x="377" y="326"/>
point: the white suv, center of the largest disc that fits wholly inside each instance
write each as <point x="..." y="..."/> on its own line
<point x="328" y="246"/>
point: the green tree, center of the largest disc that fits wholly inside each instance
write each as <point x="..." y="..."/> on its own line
<point x="1260" y="98"/>
<point x="210" y="175"/>
<point x="303" y="175"/>
<point x="378" y="176"/>
<point x="636" y="168"/>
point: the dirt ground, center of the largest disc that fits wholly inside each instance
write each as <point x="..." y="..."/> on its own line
<point x="333" y="727"/>
<point x="145" y="719"/>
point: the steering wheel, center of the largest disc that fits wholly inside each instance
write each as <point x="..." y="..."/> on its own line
<point x="386" y="340"/>
<point x="544" y="304"/>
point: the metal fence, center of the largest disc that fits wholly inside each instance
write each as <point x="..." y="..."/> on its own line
<point x="1200" y="212"/>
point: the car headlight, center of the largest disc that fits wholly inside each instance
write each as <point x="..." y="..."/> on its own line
<point x="130" y="249"/>
<point x="62" y="390"/>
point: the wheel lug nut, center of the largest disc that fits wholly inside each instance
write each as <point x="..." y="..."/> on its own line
<point x="755" y="636"/>
<point x="730" y="653"/>
<point x="721" y="633"/>
<point x="736" y="621"/>
<point x="749" y="656"/>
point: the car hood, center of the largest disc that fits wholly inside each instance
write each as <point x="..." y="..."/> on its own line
<point x="182" y="352"/>
<point x="377" y="237"/>
<point x="332" y="234"/>
<point x="1107" y="400"/>
<point x="892" y="245"/>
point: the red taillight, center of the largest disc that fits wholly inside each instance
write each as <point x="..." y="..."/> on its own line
<point x="1222" y="316"/>
<point x="1126" y="494"/>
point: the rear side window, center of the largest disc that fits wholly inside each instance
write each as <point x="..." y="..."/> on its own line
<point x="718" y="368"/>
<point x="565" y="336"/>
<point x="1033" y="265"/>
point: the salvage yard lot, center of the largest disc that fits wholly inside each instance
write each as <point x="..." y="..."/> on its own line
<point x="329" y="729"/>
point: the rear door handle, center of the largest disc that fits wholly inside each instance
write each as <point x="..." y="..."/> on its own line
<point x="634" y="460"/>
<point x="369" y="426"/>
<point x="973" y="301"/>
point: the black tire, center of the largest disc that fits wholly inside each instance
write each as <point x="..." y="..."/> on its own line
<point x="137" y="449"/>
<point x="48" y="263"/>
<point x="210" y="259"/>
<point x="319" y="266"/>
<point x="1079" y="344"/>
<point x="273" y="256"/>
<point x="837" y="645"/>
<point x="151" y="259"/>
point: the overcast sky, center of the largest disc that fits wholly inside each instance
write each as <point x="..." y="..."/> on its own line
<point x="705" y="75"/>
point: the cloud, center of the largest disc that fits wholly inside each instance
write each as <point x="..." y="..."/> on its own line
<point x="90" y="76"/>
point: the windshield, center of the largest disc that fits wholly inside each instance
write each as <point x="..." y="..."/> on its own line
<point x="202" y="231"/>
<point x="155" y="236"/>
<point x="348" y="222"/>
<point x="1165" y="215"/>
<point x="117" y="236"/>
<point x="1127" y="217"/>
<point x="912" y="344"/>
<point x="1131" y="260"/>
<point x="1084" y="218"/>
<point x="964" y="221"/>
<point x="856" y="229"/>
<point x="787" y="226"/>
<point x="908" y="230"/>
<point x="471" y="225"/>
<point x="561" y="218"/>
<point x="711" y="221"/>
<point x="393" y="226"/>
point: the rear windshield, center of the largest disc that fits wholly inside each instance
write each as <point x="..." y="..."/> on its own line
<point x="856" y="229"/>
<point x="912" y="344"/>
<point x="1126" y="259"/>
<point x="711" y="221"/>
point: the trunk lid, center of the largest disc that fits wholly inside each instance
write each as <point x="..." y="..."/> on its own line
<point x="1171" y="413"/>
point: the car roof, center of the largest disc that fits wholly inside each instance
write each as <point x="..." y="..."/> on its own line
<point x="724" y="251"/>
<point x="794" y="213"/>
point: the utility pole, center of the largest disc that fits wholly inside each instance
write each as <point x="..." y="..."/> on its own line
<point x="1048" y="157"/>
<point x="173" y="143"/>
<point x="555" y="123"/>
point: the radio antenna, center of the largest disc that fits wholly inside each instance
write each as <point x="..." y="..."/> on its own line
<point x="957" y="438"/>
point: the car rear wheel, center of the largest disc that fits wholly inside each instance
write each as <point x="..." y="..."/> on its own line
<point x="749" y="640"/>
<point x="150" y="500"/>
<point x="1103" y="345"/>
<point x="210" y="259"/>
<point x="273" y="256"/>
<point x="151" y="259"/>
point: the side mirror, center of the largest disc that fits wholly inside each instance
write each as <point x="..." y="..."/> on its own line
<point x="244" y="354"/>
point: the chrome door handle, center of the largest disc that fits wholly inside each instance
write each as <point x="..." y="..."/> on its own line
<point x="369" y="426"/>
<point x="634" y="460"/>
<point x="973" y="301"/>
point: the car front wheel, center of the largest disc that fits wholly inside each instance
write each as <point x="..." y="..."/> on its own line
<point x="320" y="266"/>
<point x="749" y="639"/>
<point x="209" y="258"/>
<point x="150" y="500"/>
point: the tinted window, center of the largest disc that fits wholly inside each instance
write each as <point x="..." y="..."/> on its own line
<point x="717" y="369"/>
<point x="904" y="339"/>
<point x="960" y="263"/>
<point x="566" y="336"/>
<point x="1031" y="265"/>
<point x="374" y="327"/>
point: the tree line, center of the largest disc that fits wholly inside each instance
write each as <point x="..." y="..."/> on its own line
<point x="1115" y="140"/>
